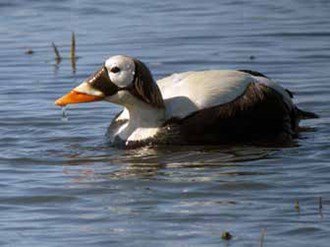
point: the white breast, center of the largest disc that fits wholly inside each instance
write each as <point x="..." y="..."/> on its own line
<point x="187" y="92"/>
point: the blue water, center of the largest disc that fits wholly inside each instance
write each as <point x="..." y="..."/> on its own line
<point x="62" y="185"/>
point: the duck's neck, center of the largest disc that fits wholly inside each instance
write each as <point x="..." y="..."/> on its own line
<point x="144" y="122"/>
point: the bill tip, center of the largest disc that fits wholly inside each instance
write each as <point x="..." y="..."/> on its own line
<point x="59" y="102"/>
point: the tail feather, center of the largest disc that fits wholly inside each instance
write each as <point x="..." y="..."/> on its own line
<point x="305" y="114"/>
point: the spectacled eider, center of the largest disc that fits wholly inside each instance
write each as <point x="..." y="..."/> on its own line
<point x="196" y="107"/>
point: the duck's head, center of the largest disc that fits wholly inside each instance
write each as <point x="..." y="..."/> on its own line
<point x="122" y="80"/>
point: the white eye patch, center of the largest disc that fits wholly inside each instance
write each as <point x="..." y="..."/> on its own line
<point x="121" y="70"/>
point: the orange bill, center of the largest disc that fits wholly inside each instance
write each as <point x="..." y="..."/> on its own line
<point x="75" y="97"/>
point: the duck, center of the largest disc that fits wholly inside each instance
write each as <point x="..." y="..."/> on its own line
<point x="210" y="107"/>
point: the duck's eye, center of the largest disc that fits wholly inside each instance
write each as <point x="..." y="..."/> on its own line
<point x="115" y="69"/>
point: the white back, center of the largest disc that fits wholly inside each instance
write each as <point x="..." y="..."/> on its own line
<point x="187" y="92"/>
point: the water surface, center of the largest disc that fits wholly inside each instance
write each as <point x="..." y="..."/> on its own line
<point x="61" y="184"/>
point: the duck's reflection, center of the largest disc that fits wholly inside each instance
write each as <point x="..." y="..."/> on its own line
<point x="167" y="162"/>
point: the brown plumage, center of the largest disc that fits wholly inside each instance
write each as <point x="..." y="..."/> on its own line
<point x="145" y="87"/>
<point x="259" y="115"/>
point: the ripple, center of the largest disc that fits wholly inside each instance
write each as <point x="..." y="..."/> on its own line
<point x="61" y="183"/>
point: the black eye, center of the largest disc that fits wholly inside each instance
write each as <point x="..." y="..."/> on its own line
<point x="115" y="69"/>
